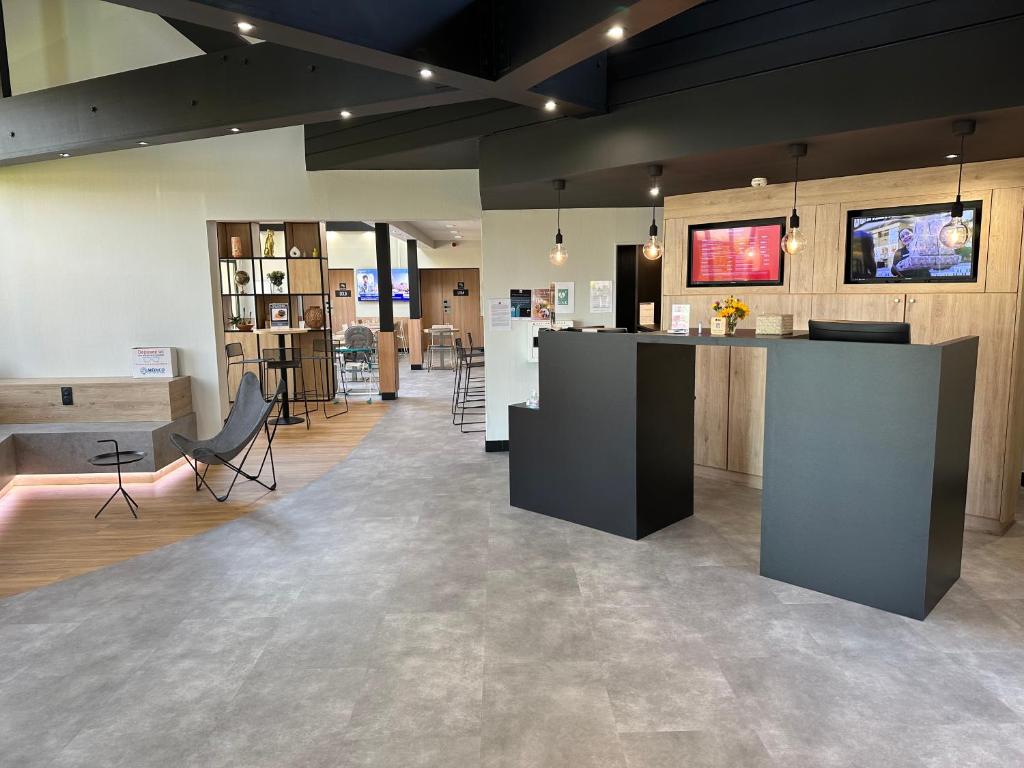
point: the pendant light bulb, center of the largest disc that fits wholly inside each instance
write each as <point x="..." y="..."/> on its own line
<point x="654" y="249"/>
<point x="954" y="233"/>
<point x="558" y="255"/>
<point x="794" y="241"/>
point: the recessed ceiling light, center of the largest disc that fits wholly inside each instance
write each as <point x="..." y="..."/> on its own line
<point x="345" y="114"/>
<point x="616" y="32"/>
<point x="550" y="105"/>
<point x="458" y="237"/>
<point x="64" y="154"/>
<point x="952" y="156"/>
<point x="426" y="74"/>
<point x="143" y="143"/>
<point x="451" y="226"/>
<point x="245" y="26"/>
<point x="236" y="130"/>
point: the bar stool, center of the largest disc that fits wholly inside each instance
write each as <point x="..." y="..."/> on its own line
<point x="470" y="390"/>
<point x="235" y="354"/>
<point x="282" y="360"/>
<point x="320" y="359"/>
<point x="442" y="342"/>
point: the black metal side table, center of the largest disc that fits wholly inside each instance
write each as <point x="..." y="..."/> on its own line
<point x="118" y="458"/>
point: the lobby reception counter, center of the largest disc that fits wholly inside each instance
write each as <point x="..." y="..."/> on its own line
<point x="866" y="450"/>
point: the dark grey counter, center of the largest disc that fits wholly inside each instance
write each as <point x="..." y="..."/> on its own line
<point x="865" y="457"/>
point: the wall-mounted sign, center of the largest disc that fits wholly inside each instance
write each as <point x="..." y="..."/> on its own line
<point x="278" y="315"/>
<point x="565" y="298"/>
<point x="343" y="293"/>
<point x="460" y="291"/>
<point x="521" y="299"/>
<point x="342" y="286"/>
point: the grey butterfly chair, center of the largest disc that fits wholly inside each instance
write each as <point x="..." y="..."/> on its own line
<point x="247" y="417"/>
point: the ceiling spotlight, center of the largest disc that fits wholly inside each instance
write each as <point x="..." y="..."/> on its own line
<point x="236" y="130"/>
<point x="550" y="105"/>
<point x="451" y="226"/>
<point x="426" y="74"/>
<point x="143" y="143"/>
<point x="245" y="27"/>
<point x="64" y="154"/>
<point x="952" y="156"/>
<point x="616" y="32"/>
<point x="345" y="114"/>
<point x="458" y="237"/>
<point x="758" y="182"/>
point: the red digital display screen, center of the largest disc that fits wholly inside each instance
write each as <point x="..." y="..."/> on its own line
<point x="736" y="253"/>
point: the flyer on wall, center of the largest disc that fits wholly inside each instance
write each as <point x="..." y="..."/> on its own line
<point x="565" y="298"/>
<point x="600" y="296"/>
<point x="521" y="299"/>
<point x="499" y="315"/>
<point x="543" y="300"/>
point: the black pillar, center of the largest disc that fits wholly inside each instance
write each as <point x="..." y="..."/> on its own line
<point x="5" y="69"/>
<point x="415" y="305"/>
<point x="387" y="306"/>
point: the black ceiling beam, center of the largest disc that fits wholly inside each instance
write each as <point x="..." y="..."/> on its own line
<point x="372" y="143"/>
<point x="253" y="88"/>
<point x="517" y="56"/>
<point x="206" y="39"/>
<point x="817" y="98"/>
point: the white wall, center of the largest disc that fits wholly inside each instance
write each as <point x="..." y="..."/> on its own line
<point x="102" y="253"/>
<point x="515" y="255"/>
<point x="54" y="42"/>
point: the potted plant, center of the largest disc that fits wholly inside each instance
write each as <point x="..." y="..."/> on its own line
<point x="276" y="279"/>
<point x="732" y="310"/>
<point x="241" y="322"/>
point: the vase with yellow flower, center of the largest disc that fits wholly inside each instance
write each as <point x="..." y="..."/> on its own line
<point x="731" y="310"/>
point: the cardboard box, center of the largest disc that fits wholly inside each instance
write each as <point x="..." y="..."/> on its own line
<point x="154" y="362"/>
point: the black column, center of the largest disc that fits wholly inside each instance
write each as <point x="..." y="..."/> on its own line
<point x="415" y="305"/>
<point x="387" y="306"/>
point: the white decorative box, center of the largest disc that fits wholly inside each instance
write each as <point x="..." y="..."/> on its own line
<point x="774" y="325"/>
<point x="154" y="362"/>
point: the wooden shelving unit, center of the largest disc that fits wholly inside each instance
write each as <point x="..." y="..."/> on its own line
<point x="305" y="286"/>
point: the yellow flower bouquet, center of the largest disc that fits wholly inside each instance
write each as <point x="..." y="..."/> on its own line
<point x="733" y="310"/>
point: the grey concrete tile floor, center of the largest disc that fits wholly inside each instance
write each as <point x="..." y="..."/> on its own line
<point x="398" y="612"/>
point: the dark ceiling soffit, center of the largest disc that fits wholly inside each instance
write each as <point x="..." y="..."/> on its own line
<point x="5" y="68"/>
<point x="349" y="226"/>
<point x="409" y="132"/>
<point x="254" y="88"/>
<point x="453" y="156"/>
<point x="752" y="111"/>
<point x="574" y="44"/>
<point x="206" y="39"/>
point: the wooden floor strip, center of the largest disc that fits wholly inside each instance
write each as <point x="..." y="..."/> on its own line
<point x="47" y="533"/>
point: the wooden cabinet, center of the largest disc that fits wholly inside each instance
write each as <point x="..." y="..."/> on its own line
<point x="711" y="407"/>
<point x="862" y="306"/>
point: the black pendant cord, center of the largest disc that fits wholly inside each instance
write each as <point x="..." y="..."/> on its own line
<point x="558" y="211"/>
<point x="796" y="181"/>
<point x="960" y="174"/>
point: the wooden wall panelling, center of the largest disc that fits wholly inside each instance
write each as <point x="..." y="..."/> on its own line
<point x="991" y="317"/>
<point x="800" y="266"/>
<point x="343" y="310"/>
<point x="1014" y="453"/>
<point x="884" y="307"/>
<point x="1006" y="216"/>
<point x="672" y="278"/>
<point x="711" y="409"/>
<point x="939" y="182"/>
<point x="304" y="235"/>
<point x="228" y="229"/>
<point x="828" y="257"/>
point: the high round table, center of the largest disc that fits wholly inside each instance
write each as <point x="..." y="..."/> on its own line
<point x="282" y="331"/>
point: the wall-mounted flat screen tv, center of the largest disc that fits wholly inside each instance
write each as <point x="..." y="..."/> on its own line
<point x="736" y="253"/>
<point x="892" y="245"/>
<point x="367" y="290"/>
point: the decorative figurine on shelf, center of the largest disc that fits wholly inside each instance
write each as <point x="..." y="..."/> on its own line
<point x="236" y="247"/>
<point x="241" y="280"/>
<point x="732" y="310"/>
<point x="295" y="252"/>
<point x="314" y="317"/>
<point x="316" y="252"/>
<point x="268" y="244"/>
<point x="276" y="279"/>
